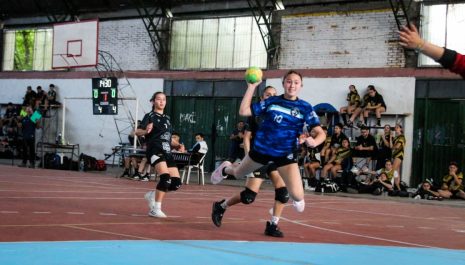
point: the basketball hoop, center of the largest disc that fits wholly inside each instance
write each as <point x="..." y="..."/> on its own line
<point x="75" y="44"/>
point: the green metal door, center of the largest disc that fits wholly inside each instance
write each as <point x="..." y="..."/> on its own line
<point x="213" y="117"/>
<point x="439" y="137"/>
<point x="226" y="117"/>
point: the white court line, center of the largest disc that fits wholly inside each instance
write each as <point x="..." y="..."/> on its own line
<point x="139" y="215"/>
<point x="235" y="218"/>
<point x="108" y="214"/>
<point x="8" y="212"/>
<point x="362" y="224"/>
<point x="41" y="212"/>
<point x="203" y="217"/>
<point x="74" y="212"/>
<point x="332" y="223"/>
<point x="460" y="231"/>
<point x="382" y="214"/>
<point x="357" y="235"/>
<point x="395" y="226"/>
<point x="425" y="227"/>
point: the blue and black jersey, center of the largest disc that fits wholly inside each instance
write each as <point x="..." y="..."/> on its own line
<point x="283" y="122"/>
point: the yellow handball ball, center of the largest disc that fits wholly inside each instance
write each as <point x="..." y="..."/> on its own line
<point x="253" y="75"/>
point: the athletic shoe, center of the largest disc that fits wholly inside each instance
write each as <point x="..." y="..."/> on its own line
<point x="144" y="178"/>
<point x="150" y="198"/>
<point x="217" y="213"/>
<point x="157" y="213"/>
<point x="125" y="173"/>
<point x="136" y="176"/>
<point x="217" y="175"/>
<point x="273" y="230"/>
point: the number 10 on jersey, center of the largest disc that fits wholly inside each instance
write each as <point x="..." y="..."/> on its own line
<point x="105" y="96"/>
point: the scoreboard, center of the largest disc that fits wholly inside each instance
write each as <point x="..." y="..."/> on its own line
<point x="105" y="96"/>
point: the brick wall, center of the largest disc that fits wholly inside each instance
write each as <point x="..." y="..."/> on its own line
<point x="357" y="39"/>
<point x="129" y="43"/>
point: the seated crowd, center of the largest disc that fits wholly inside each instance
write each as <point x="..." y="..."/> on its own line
<point x="20" y="121"/>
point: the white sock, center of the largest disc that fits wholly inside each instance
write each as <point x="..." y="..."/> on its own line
<point x="274" y="219"/>
<point x="224" y="204"/>
<point x="299" y="206"/>
<point x="157" y="206"/>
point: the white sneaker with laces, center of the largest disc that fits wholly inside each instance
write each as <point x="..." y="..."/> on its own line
<point x="150" y="197"/>
<point x="217" y="175"/>
<point x="157" y="213"/>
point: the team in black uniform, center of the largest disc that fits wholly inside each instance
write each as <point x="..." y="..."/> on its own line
<point x="156" y="127"/>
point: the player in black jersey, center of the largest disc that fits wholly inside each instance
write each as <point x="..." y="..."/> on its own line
<point x="252" y="186"/>
<point x="156" y="127"/>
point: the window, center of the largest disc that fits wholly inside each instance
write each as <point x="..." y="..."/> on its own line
<point x="443" y="25"/>
<point x="27" y="50"/>
<point x="220" y="43"/>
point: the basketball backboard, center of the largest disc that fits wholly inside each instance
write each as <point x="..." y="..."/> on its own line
<point x="75" y="44"/>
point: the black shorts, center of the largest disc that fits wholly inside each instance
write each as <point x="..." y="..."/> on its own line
<point x="278" y="161"/>
<point x="264" y="171"/>
<point x="156" y="155"/>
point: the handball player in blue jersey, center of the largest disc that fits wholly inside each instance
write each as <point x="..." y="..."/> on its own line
<point x="276" y="140"/>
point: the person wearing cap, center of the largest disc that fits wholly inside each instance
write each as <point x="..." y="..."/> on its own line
<point x="452" y="183"/>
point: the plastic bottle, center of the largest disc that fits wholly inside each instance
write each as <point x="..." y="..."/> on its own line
<point x="81" y="165"/>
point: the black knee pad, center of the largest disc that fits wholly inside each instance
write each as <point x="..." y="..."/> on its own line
<point x="281" y="195"/>
<point x="248" y="196"/>
<point x="164" y="183"/>
<point x="175" y="184"/>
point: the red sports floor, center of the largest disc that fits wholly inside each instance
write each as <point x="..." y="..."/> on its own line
<point x="50" y="205"/>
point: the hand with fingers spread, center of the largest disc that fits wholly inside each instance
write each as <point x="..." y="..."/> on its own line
<point x="449" y="59"/>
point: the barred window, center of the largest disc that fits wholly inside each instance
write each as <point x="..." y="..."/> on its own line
<point x="443" y="25"/>
<point x="219" y="43"/>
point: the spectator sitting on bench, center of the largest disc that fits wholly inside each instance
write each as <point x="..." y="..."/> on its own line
<point x="335" y="163"/>
<point x="326" y="149"/>
<point x="374" y="103"/>
<point x="52" y="95"/>
<point x="336" y="138"/>
<point x="312" y="163"/>
<point x="365" y="146"/>
<point x="358" y="112"/>
<point x="353" y="99"/>
<point x="29" y="97"/>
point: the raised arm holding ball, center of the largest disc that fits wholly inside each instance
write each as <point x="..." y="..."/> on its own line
<point x="276" y="140"/>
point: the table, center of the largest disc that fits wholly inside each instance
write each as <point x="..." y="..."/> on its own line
<point x="71" y="149"/>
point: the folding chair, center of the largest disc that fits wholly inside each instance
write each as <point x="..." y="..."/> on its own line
<point x="194" y="165"/>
